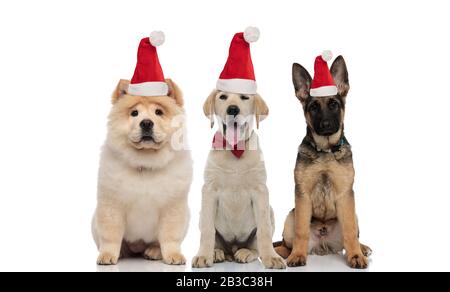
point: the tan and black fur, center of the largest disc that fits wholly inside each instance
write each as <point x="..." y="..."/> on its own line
<point x="324" y="174"/>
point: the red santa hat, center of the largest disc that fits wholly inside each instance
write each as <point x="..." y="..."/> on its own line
<point x="148" y="78"/>
<point x="238" y="75"/>
<point x="323" y="83"/>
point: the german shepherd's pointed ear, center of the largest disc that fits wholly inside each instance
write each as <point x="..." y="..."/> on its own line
<point x="302" y="82"/>
<point x="208" y="107"/>
<point x="340" y="75"/>
<point x="121" y="90"/>
<point x="261" y="110"/>
<point x="175" y="92"/>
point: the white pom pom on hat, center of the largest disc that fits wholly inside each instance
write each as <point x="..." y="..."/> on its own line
<point x="327" y="55"/>
<point x="157" y="38"/>
<point x="251" y="34"/>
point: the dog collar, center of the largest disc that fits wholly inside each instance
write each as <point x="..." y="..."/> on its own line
<point x="333" y="149"/>
<point x="220" y="143"/>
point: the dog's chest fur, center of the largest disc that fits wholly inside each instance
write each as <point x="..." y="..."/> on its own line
<point x="144" y="193"/>
<point x="236" y="182"/>
<point x="235" y="218"/>
<point x="324" y="177"/>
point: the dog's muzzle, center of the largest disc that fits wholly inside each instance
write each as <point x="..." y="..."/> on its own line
<point x="147" y="130"/>
<point x="327" y="128"/>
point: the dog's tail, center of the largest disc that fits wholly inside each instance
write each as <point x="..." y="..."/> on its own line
<point x="281" y="249"/>
<point x="278" y="243"/>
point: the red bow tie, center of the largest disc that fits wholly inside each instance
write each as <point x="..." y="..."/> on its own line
<point x="220" y="143"/>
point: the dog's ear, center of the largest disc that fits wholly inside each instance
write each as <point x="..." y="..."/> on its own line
<point x="208" y="107"/>
<point x="340" y="75"/>
<point x="121" y="90"/>
<point x="261" y="110"/>
<point x="175" y="92"/>
<point x="302" y="82"/>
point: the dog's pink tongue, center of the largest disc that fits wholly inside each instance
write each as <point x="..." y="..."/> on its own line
<point x="233" y="134"/>
<point x="237" y="134"/>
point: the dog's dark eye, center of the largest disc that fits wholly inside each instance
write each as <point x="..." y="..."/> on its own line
<point x="159" y="112"/>
<point x="223" y="97"/>
<point x="134" y="113"/>
<point x="314" y="107"/>
<point x="332" y="105"/>
<point x="244" y="97"/>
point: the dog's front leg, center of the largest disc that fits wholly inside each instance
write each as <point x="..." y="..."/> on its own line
<point x="303" y="213"/>
<point x="205" y="255"/>
<point x="345" y="206"/>
<point x="109" y="227"/>
<point x="174" y="223"/>
<point x="261" y="209"/>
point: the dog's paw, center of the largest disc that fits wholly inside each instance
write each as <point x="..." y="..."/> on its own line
<point x="367" y="251"/>
<point x="357" y="261"/>
<point x="153" y="253"/>
<point x="244" y="256"/>
<point x="296" y="260"/>
<point x="174" y="259"/>
<point x="219" y="256"/>
<point x="202" y="262"/>
<point x="107" y="259"/>
<point x="273" y="262"/>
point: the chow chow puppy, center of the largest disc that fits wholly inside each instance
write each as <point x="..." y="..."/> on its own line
<point x="144" y="179"/>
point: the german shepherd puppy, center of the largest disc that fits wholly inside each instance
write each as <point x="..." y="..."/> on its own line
<point x="323" y="174"/>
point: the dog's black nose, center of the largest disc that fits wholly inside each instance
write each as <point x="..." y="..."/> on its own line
<point x="233" y="110"/>
<point x="325" y="124"/>
<point x="146" y="125"/>
<point x="323" y="231"/>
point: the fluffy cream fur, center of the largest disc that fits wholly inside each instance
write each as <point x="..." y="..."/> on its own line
<point x="142" y="185"/>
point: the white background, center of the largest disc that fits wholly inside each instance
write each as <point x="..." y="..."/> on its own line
<point x="60" y="60"/>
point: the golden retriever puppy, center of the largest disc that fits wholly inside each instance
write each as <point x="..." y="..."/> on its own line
<point x="236" y="220"/>
<point x="144" y="179"/>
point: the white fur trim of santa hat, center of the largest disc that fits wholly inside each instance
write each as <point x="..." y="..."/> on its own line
<point x="236" y="85"/>
<point x="323" y="91"/>
<point x="148" y="89"/>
